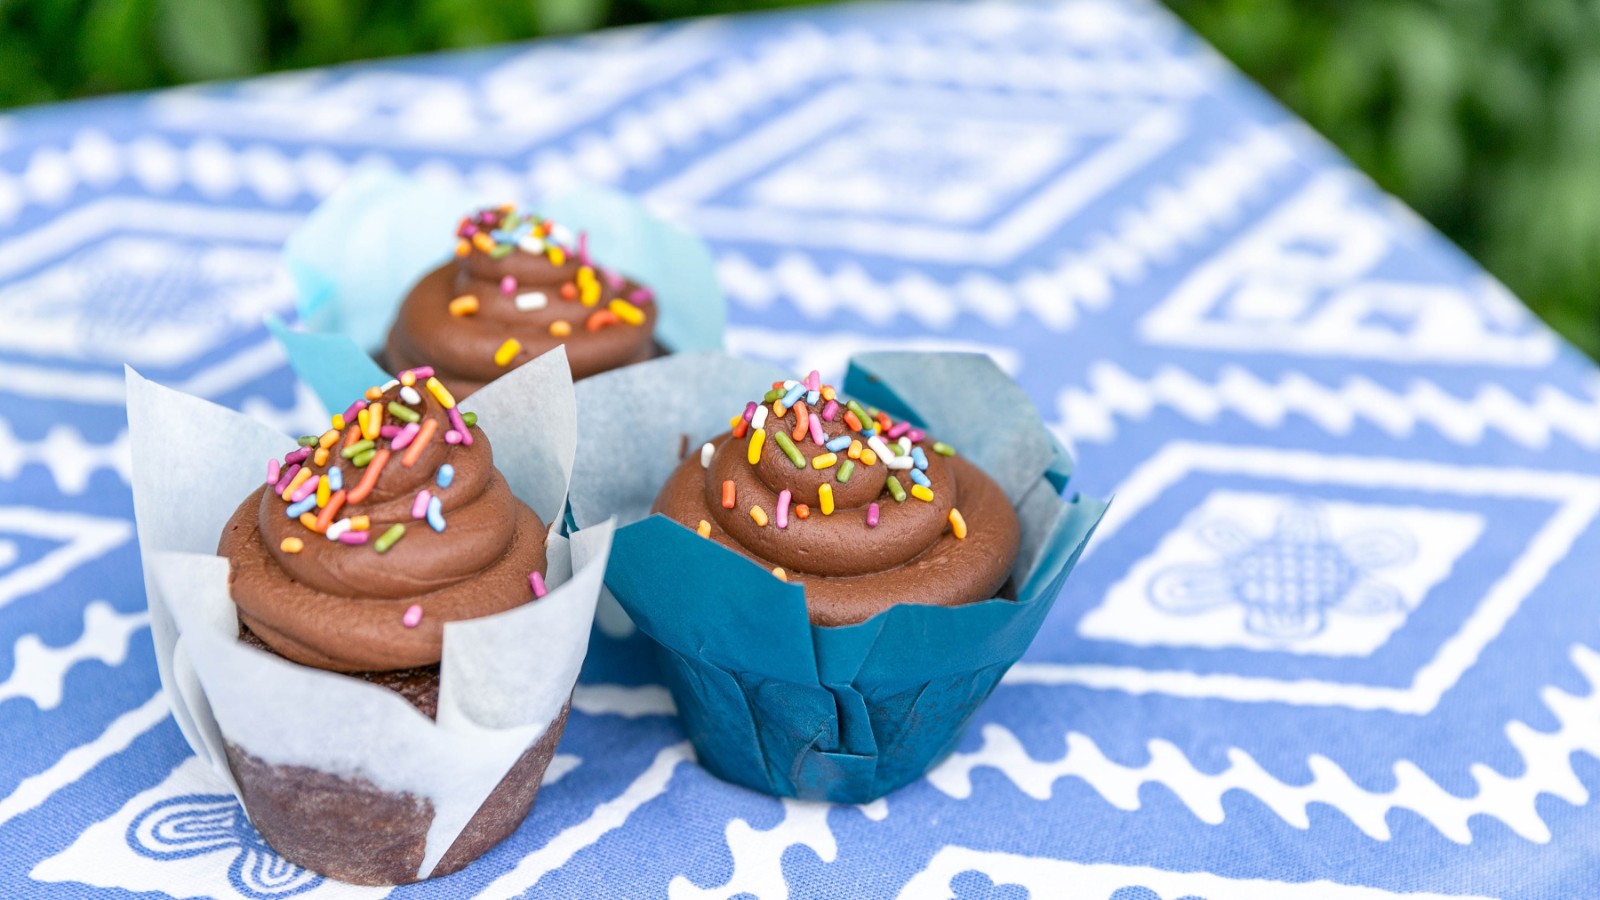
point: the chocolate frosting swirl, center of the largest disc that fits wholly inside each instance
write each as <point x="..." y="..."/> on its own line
<point x="343" y="607"/>
<point x="462" y="348"/>
<point x="851" y="569"/>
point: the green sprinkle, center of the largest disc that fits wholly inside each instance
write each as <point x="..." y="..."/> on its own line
<point x="860" y="413"/>
<point x="389" y="538"/>
<point x="364" y="457"/>
<point x="470" y="418"/>
<point x="774" y="394"/>
<point x="943" y="449"/>
<point x="845" y="470"/>
<point x="402" y="412"/>
<point x="501" y="251"/>
<point x="356" y="449"/>
<point x="895" y="490"/>
<point x="306" y="440"/>
<point x="789" y="449"/>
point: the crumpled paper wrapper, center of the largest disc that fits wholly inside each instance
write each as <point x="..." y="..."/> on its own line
<point x="359" y="253"/>
<point x="194" y="462"/>
<point x="772" y="702"/>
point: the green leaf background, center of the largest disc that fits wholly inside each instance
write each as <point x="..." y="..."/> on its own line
<point x="1484" y="115"/>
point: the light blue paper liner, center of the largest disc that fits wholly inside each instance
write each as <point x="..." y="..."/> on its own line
<point x="770" y="701"/>
<point x="358" y="254"/>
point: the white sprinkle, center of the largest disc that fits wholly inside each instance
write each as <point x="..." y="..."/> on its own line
<point x="898" y="462"/>
<point x="388" y="384"/>
<point x="759" y="419"/>
<point x="905" y="445"/>
<point x="705" y="455"/>
<point x="880" y="448"/>
<point x="561" y="234"/>
<point x="338" y="528"/>
<point x="789" y="385"/>
<point x="532" y="300"/>
<point x="531" y="244"/>
<point x="409" y="394"/>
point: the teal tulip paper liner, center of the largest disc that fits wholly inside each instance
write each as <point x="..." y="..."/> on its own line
<point x="770" y="701"/>
<point x="358" y="254"/>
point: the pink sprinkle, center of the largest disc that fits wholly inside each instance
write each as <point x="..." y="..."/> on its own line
<point x="583" y="247"/>
<point x="872" y="515"/>
<point x="468" y="230"/>
<point x="816" y="431"/>
<point x="273" y="471"/>
<point x="830" y="409"/>
<point x="642" y="295"/>
<point x="461" y="426"/>
<point x="350" y="414"/>
<point x="283" y="483"/>
<point x="814" y="381"/>
<point x="304" y="490"/>
<point x="916" y="434"/>
<point x="421" y="372"/>
<point x="536" y="581"/>
<point x="452" y="437"/>
<point x="749" y="410"/>
<point x="508" y="285"/>
<point x="353" y="537"/>
<point x="298" y="456"/>
<point x="783" y="508"/>
<point x="612" y="278"/>
<point x="419" y="506"/>
<point x="405" y="436"/>
<point x="413" y="616"/>
<point x="898" y="429"/>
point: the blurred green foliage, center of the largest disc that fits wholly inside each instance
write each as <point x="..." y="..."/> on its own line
<point x="1484" y="115"/>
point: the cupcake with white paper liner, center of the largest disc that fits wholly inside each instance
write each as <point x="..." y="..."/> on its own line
<point x="376" y="649"/>
<point x="422" y="275"/>
<point x="824" y="635"/>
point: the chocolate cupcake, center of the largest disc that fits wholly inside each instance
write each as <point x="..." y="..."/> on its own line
<point x="832" y="588"/>
<point x="863" y="511"/>
<point x="518" y="286"/>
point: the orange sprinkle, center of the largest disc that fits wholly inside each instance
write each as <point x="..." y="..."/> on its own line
<point x="320" y="457"/>
<point x="777" y="385"/>
<point x="354" y="434"/>
<point x="782" y="575"/>
<point x="408" y="378"/>
<point x="600" y="318"/>
<point x="727" y="495"/>
<point x="560" y="328"/>
<point x="483" y="242"/>
<point x="328" y="439"/>
<point x="778" y="409"/>
<point x="413" y="452"/>
<point x="569" y="291"/>
<point x="374" y="421"/>
<point x="855" y="450"/>
<point x="310" y="521"/>
<point x="957" y="524"/>
<point x="373" y="393"/>
<point x="800" y="416"/>
<point x="463" y="247"/>
<point x="760" y="515"/>
<point x="300" y="477"/>
<point x="465" y="305"/>
<point x="369" y="478"/>
<point x="868" y="456"/>
<point x="360" y="523"/>
<point x="802" y="511"/>
<point x="292" y="545"/>
<point x="851" y="420"/>
<point x="827" y="392"/>
<point x="740" y="428"/>
<point x="325" y="518"/>
<point x="704" y="530"/>
<point x="883" y="421"/>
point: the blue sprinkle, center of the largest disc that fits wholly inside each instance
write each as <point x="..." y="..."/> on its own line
<point x="436" y="514"/>
<point x="335" y="479"/>
<point x="503" y="237"/>
<point x="793" y="395"/>
<point x="447" y="474"/>
<point x="813" y="396"/>
<point x="918" y="458"/>
<point x="304" y="506"/>
<point x="919" y="477"/>
<point x="839" y="443"/>
<point x="868" y="431"/>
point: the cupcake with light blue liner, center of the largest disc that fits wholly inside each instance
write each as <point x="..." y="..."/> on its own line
<point x="381" y="681"/>
<point x="423" y="275"/>
<point x="835" y="577"/>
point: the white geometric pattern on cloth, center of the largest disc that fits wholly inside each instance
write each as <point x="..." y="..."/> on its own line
<point x="40" y="670"/>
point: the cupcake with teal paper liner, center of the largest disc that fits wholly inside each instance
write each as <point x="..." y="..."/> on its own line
<point x="421" y="275"/>
<point x="835" y="577"/>
<point x="374" y="644"/>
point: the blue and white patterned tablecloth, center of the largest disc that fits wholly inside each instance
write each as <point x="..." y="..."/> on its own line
<point x="1337" y="638"/>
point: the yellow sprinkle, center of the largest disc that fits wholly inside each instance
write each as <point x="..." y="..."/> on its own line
<point x="558" y="256"/>
<point x="827" y="392"/>
<point x="323" y="491"/>
<point x="560" y="328"/>
<point x="782" y="575"/>
<point x="292" y="545"/>
<point x="627" y="312"/>
<point x="507" y="351"/>
<point x="868" y="456"/>
<point x="440" y="393"/>
<point x="825" y="499"/>
<point x="757" y="438"/>
<point x="734" y="422"/>
<point x="464" y="305"/>
<point x="408" y="378"/>
<point x="824" y="460"/>
<point x="705" y="529"/>
<point x="957" y="524"/>
<point x="463" y="247"/>
<point x="589" y="293"/>
<point x="321" y="456"/>
<point x="338" y="421"/>
<point x="760" y="515"/>
<point x="369" y="428"/>
<point x="922" y="493"/>
<point x="855" y="450"/>
<point x="360" y="523"/>
<point x="585" y="273"/>
<point x="778" y="409"/>
<point x="309" y="521"/>
<point x="294" y="485"/>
